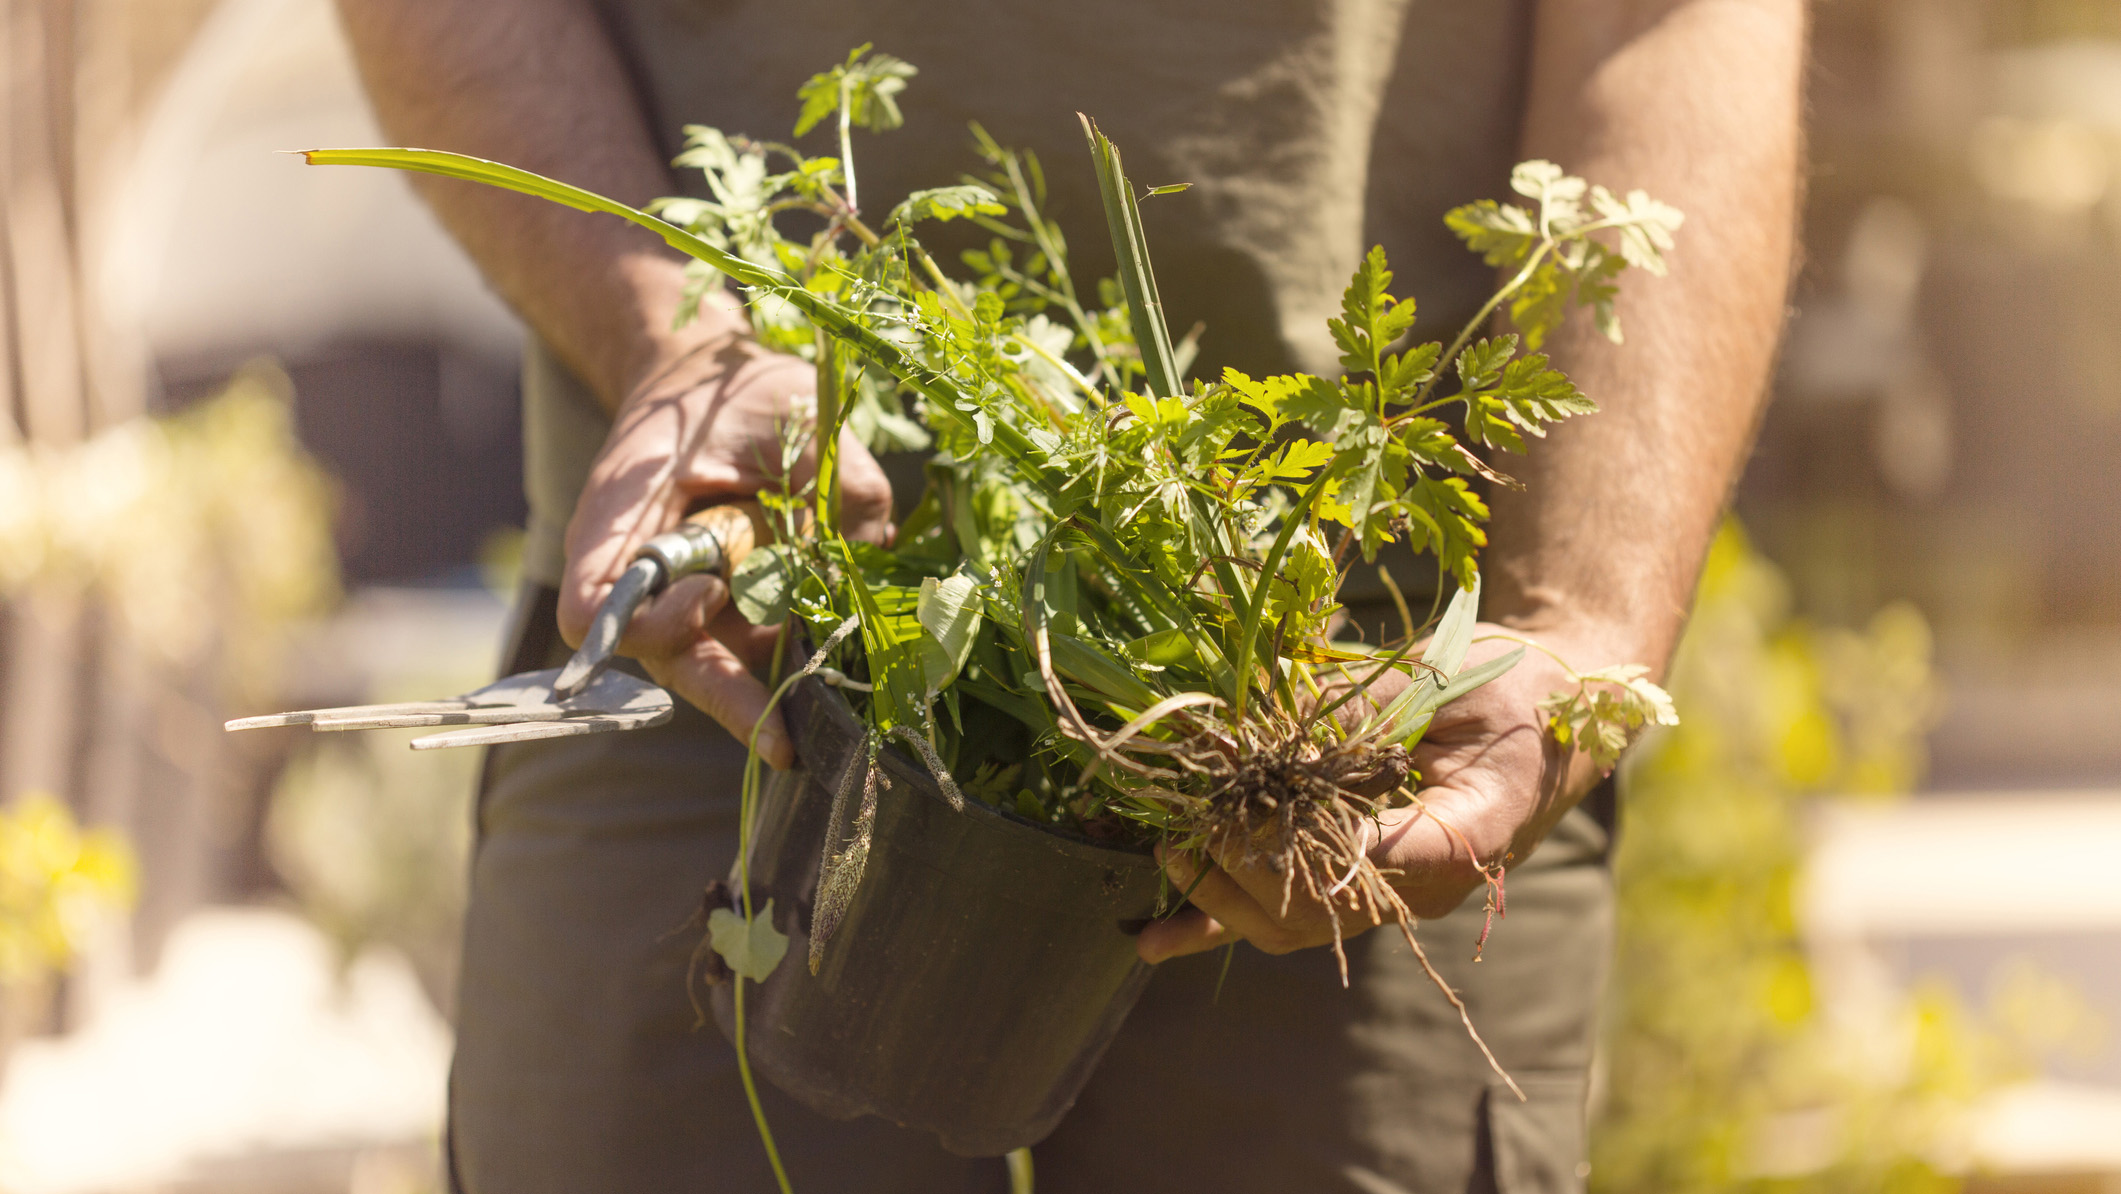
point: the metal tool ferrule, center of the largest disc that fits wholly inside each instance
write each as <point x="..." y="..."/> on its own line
<point x="690" y="548"/>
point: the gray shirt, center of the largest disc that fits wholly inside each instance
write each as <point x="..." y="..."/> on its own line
<point x="1310" y="130"/>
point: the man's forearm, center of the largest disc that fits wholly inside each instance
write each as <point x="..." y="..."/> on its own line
<point x="1698" y="104"/>
<point x="537" y="84"/>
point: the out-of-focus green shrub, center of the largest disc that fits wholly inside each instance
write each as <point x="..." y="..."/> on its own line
<point x="1720" y="1070"/>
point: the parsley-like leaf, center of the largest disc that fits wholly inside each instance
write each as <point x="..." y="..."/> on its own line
<point x="947" y="203"/>
<point x="1606" y="712"/>
<point x="1523" y="398"/>
<point x="872" y="89"/>
<point x="1370" y="318"/>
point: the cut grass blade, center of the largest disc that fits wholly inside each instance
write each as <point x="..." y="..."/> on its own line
<point x="1136" y="280"/>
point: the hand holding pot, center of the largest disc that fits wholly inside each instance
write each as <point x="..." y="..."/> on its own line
<point x="1492" y="783"/>
<point x="702" y="426"/>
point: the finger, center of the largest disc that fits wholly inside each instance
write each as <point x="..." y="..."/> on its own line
<point x="709" y="675"/>
<point x="753" y="644"/>
<point x="1270" y="890"/>
<point x="865" y="493"/>
<point x="1228" y="903"/>
<point x="1436" y="866"/>
<point x="1298" y="907"/>
<point x="1190" y="931"/>
<point x="677" y="616"/>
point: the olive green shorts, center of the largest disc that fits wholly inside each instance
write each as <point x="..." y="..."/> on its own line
<point x="582" y="1069"/>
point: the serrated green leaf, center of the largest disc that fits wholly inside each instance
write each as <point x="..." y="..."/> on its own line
<point x="1646" y="226"/>
<point x="1444" y="516"/>
<point x="947" y="203"/>
<point x="1524" y="397"/>
<point x="1606" y="711"/>
<point x="1370" y="318"/>
<point x="1429" y="441"/>
<point x="1305" y="583"/>
<point x="1294" y="461"/>
<point x="1558" y="193"/>
<point x="872" y="86"/>
<point x="1480" y="365"/>
<point x="1406" y="371"/>
<point x="1541" y="304"/>
<point x="1504" y="234"/>
<point x="1331" y="411"/>
<point x="1267" y="395"/>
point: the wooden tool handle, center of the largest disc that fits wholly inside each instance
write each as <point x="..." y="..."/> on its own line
<point x="715" y="539"/>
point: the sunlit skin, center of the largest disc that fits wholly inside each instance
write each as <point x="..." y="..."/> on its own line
<point x="1696" y="102"/>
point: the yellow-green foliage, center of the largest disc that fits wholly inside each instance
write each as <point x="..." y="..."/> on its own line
<point x="56" y="884"/>
<point x="1721" y="1072"/>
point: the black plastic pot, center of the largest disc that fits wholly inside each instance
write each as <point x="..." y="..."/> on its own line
<point x="983" y="967"/>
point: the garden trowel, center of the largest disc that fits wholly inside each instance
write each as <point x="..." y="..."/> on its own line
<point x="585" y="696"/>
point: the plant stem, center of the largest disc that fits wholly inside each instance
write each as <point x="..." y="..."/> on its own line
<point x="1020" y="1171"/>
<point x="751" y="1095"/>
<point x="847" y="141"/>
<point x="831" y="412"/>
<point x="746" y="803"/>
<point x="1533" y="643"/>
<point x="1256" y="605"/>
<point x="1056" y="260"/>
<point x="1067" y="370"/>
<point x="1479" y="320"/>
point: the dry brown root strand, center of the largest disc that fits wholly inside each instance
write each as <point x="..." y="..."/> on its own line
<point x="1464" y="1017"/>
<point x="1497" y="905"/>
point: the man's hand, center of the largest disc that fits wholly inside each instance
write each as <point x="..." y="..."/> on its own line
<point x="706" y="426"/>
<point x="1492" y="782"/>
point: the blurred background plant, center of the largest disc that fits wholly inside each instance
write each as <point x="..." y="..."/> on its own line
<point x="1728" y="1062"/>
<point x="371" y="839"/>
<point x="203" y="531"/>
<point x="181" y="552"/>
<point x="58" y="888"/>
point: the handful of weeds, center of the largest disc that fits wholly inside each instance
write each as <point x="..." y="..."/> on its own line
<point x="1113" y="608"/>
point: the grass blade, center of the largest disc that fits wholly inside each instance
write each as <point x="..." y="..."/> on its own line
<point x="1131" y="248"/>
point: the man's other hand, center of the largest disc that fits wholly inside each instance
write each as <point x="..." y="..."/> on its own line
<point x="706" y="426"/>
<point x="1491" y="784"/>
